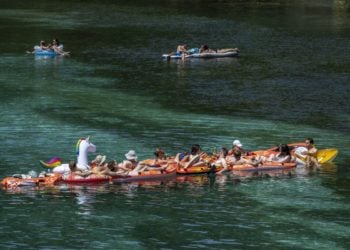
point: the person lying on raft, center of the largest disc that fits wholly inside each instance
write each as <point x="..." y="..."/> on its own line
<point x="206" y="49"/>
<point x="226" y="161"/>
<point x="282" y="156"/>
<point x="75" y="171"/>
<point x="56" y="46"/>
<point x="132" y="166"/>
<point x="196" y="158"/>
<point x="160" y="159"/>
<point x="237" y="159"/>
<point x="112" y="169"/>
<point x="238" y="146"/>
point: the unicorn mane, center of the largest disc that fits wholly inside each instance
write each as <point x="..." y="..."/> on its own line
<point x="78" y="145"/>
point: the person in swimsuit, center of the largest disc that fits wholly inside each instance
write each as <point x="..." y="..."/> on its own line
<point x="311" y="153"/>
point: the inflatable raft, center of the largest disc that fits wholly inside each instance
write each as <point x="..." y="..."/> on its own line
<point x="76" y="179"/>
<point x="267" y="166"/>
<point x="24" y="180"/>
<point x="229" y="53"/>
<point x="144" y="175"/>
<point x="153" y="174"/>
<point x="48" y="53"/>
<point x="323" y="155"/>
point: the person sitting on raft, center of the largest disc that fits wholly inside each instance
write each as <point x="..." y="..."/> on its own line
<point x="196" y="158"/>
<point x="236" y="159"/>
<point x="112" y="169"/>
<point x="182" y="49"/>
<point x="238" y="146"/>
<point x="98" y="161"/>
<point x="42" y="46"/>
<point x="222" y="161"/>
<point x="132" y="166"/>
<point x="56" y="46"/>
<point x="75" y="171"/>
<point x="311" y="153"/>
<point x="159" y="157"/>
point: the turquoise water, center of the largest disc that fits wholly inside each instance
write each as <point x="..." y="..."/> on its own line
<point x="291" y="81"/>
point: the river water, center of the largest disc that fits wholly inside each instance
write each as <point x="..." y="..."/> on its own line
<point x="291" y="81"/>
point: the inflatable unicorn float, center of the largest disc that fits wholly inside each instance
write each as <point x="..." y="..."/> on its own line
<point x="83" y="147"/>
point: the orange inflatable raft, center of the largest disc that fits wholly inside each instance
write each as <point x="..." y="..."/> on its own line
<point x="153" y="174"/>
<point x="266" y="166"/>
<point x="21" y="180"/>
<point x="143" y="175"/>
<point x="201" y="169"/>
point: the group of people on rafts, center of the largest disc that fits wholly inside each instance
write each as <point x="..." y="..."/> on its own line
<point x="237" y="155"/>
<point x="129" y="167"/>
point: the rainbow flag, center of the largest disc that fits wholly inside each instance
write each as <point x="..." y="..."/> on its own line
<point x="53" y="162"/>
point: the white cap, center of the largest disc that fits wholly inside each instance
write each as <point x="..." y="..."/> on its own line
<point x="237" y="143"/>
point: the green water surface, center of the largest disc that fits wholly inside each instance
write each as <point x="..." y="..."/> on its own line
<point x="290" y="81"/>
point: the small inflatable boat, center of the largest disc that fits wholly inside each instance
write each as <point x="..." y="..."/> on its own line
<point x="225" y="53"/>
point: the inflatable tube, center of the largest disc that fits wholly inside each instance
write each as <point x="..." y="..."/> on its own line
<point x="49" y="53"/>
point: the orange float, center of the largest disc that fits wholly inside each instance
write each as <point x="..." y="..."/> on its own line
<point x="18" y="181"/>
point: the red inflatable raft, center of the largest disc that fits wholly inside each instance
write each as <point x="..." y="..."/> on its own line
<point x="76" y="179"/>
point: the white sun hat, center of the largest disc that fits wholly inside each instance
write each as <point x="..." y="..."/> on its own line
<point x="100" y="159"/>
<point x="237" y="143"/>
<point x="131" y="155"/>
